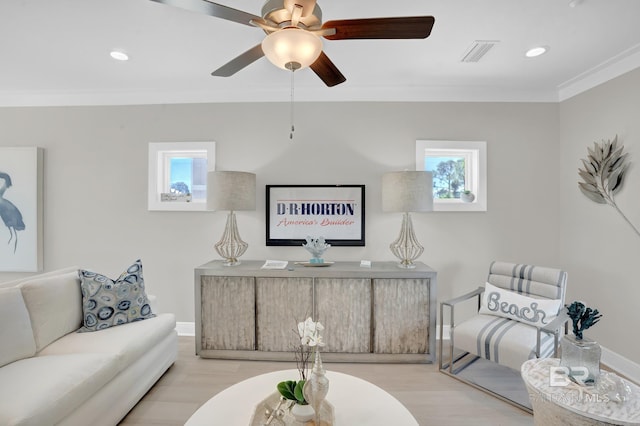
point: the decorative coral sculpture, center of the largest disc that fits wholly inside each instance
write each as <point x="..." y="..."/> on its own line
<point x="316" y="246"/>
<point x="582" y="317"/>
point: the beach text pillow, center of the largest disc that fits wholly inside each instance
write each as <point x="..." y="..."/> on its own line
<point x="509" y="304"/>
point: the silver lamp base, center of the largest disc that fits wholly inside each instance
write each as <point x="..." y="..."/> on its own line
<point x="406" y="247"/>
<point x="231" y="247"/>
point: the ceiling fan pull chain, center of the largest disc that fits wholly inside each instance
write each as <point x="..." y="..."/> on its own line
<point x="291" y="106"/>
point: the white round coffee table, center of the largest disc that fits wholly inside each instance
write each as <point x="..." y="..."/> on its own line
<point x="355" y="401"/>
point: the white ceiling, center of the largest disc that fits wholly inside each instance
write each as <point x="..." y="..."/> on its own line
<point x="56" y="52"/>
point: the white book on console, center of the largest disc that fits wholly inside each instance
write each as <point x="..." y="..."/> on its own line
<point x="275" y="264"/>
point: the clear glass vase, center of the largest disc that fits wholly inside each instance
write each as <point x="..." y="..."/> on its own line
<point x="316" y="388"/>
<point x="578" y="355"/>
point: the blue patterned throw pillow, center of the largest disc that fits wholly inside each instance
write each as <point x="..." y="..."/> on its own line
<point x="107" y="303"/>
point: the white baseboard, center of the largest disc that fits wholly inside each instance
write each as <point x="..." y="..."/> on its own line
<point x="621" y="365"/>
<point x="617" y="362"/>
<point x="186" y="328"/>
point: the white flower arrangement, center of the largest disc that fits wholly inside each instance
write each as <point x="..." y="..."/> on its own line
<point x="309" y="332"/>
<point x="310" y="335"/>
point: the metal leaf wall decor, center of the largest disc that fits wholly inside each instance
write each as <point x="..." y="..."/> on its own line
<point x="603" y="174"/>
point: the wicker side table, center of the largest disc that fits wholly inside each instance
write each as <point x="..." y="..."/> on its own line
<point x="555" y="403"/>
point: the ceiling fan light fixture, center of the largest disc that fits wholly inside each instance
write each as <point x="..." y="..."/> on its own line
<point x="292" y="48"/>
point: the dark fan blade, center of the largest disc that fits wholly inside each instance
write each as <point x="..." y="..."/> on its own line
<point x="239" y="62"/>
<point x="387" y="28"/>
<point x="213" y="9"/>
<point x="327" y="71"/>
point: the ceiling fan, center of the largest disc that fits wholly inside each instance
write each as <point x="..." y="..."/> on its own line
<point x="294" y="28"/>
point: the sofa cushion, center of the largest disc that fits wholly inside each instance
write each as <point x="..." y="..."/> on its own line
<point x="16" y="335"/>
<point x="128" y="342"/>
<point x="14" y="283"/>
<point x="44" y="390"/>
<point x="107" y="303"/>
<point x="55" y="306"/>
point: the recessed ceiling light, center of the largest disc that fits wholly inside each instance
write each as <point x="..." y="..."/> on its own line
<point x="536" y="51"/>
<point x="119" y="55"/>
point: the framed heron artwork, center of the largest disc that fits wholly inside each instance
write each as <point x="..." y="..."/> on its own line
<point x="21" y="215"/>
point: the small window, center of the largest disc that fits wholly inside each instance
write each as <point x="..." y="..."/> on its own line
<point x="459" y="173"/>
<point x="178" y="175"/>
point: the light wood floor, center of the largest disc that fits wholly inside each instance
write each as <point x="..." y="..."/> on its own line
<point x="432" y="397"/>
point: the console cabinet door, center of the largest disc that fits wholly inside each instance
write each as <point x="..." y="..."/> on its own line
<point x="343" y="306"/>
<point x="401" y="316"/>
<point x="228" y="313"/>
<point x="281" y="303"/>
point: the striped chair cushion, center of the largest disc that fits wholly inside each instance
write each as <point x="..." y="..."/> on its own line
<point x="501" y="340"/>
<point x="537" y="281"/>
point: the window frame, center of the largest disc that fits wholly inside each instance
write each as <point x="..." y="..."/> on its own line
<point x="160" y="154"/>
<point x="475" y="153"/>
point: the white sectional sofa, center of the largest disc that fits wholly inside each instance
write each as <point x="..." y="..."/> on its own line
<point x="52" y="375"/>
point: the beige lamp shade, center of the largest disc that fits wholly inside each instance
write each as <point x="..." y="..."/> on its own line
<point x="231" y="191"/>
<point x="408" y="191"/>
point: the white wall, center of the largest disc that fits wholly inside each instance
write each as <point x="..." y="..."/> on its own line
<point x="96" y="183"/>
<point x="599" y="249"/>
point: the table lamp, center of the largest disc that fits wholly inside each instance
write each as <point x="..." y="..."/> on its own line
<point x="231" y="191"/>
<point x="408" y="191"/>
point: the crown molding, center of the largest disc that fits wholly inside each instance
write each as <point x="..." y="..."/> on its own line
<point x="601" y="73"/>
<point x="607" y="70"/>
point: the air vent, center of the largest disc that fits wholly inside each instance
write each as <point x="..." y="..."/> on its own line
<point x="477" y="50"/>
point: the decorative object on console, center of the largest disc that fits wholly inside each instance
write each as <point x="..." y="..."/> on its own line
<point x="408" y="191"/>
<point x="231" y="191"/>
<point x="107" y="303"/>
<point x="603" y="174"/>
<point x="577" y="352"/>
<point x="317" y="247"/>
